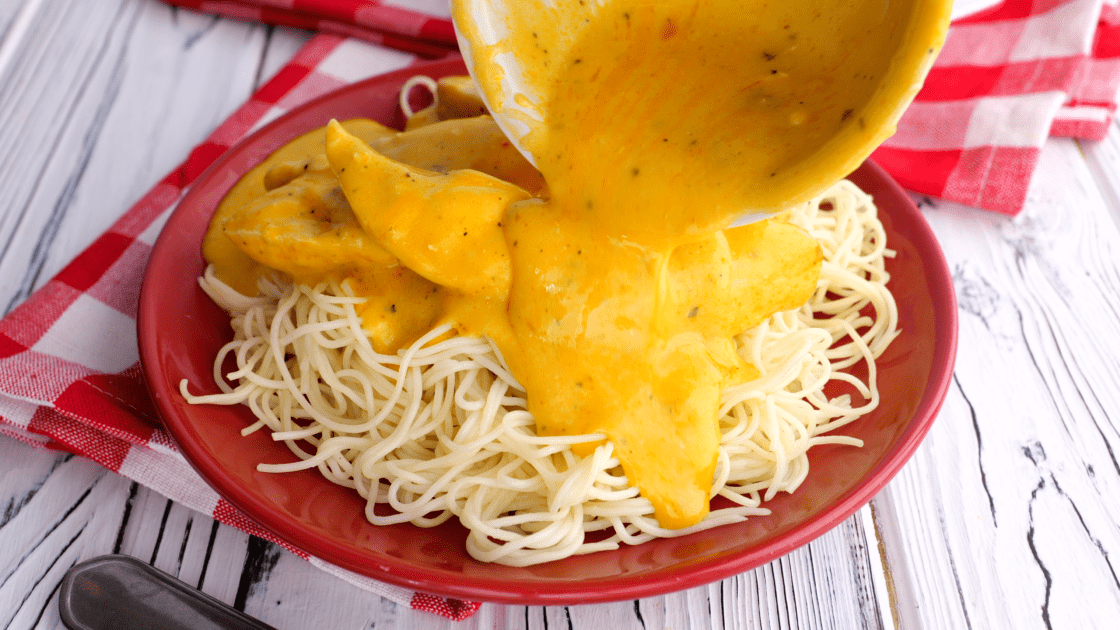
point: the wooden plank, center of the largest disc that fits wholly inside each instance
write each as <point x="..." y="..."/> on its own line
<point x="15" y="18"/>
<point x="1007" y="513"/>
<point x="72" y="516"/>
<point x="1103" y="158"/>
<point x="822" y="586"/>
<point x="87" y="128"/>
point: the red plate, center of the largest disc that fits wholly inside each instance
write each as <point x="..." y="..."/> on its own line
<point x="181" y="330"/>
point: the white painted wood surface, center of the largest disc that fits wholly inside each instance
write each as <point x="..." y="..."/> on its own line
<point x="1007" y="517"/>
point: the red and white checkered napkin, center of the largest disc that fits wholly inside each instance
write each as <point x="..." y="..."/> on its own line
<point x="1006" y="79"/>
<point x="417" y="26"/>
<point x="69" y="372"/>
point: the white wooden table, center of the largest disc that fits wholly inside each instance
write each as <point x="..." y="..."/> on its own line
<point x="1007" y="517"/>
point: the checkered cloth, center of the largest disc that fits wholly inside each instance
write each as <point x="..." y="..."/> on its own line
<point x="69" y="364"/>
<point x="1006" y="79"/>
<point x="69" y="373"/>
<point x="417" y="26"/>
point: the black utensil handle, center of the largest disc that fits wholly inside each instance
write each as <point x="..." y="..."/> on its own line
<point x="121" y="593"/>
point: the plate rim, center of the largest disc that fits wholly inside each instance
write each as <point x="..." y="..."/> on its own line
<point x="403" y="574"/>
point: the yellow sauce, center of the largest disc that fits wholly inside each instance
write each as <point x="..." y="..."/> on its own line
<point x="705" y="109"/>
<point x="615" y="297"/>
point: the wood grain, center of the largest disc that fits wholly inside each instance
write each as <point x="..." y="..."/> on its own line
<point x="80" y="151"/>
<point x="1008" y="513"/>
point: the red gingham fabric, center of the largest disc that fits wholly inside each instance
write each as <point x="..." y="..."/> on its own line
<point x="70" y="377"/>
<point x="1007" y="79"/>
<point x="375" y="21"/>
<point x="69" y="374"/>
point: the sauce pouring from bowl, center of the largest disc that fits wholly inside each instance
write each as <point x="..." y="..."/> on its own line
<point x="744" y="105"/>
<point x="657" y="124"/>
